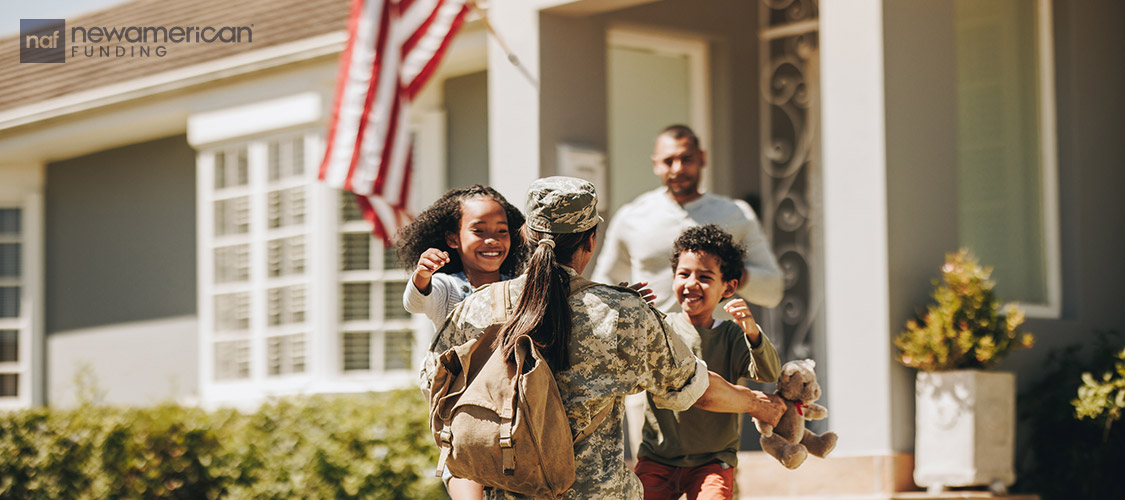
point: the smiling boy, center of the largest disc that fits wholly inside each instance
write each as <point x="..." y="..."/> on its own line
<point x="694" y="452"/>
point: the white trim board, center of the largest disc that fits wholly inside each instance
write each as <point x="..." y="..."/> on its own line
<point x="253" y="119"/>
<point x="1049" y="167"/>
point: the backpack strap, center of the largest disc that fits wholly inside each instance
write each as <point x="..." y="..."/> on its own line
<point x="501" y="305"/>
<point x="594" y="423"/>
<point x="501" y="301"/>
<point x="446" y="447"/>
<point x="507" y="451"/>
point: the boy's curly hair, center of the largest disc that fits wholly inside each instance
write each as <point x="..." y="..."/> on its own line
<point x="428" y="230"/>
<point x="712" y="240"/>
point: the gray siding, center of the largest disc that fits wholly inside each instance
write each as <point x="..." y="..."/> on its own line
<point x="466" y="108"/>
<point x="921" y="170"/>
<point x="120" y="236"/>
<point x="138" y="363"/>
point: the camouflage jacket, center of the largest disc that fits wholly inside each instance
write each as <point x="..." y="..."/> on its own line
<point x="619" y="345"/>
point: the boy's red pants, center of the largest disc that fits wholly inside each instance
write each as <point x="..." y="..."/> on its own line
<point x="705" y="482"/>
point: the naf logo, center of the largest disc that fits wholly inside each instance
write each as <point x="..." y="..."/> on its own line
<point x="42" y="40"/>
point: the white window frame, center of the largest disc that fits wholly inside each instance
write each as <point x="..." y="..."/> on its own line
<point x="259" y="383"/>
<point x="377" y="322"/>
<point x="21" y="187"/>
<point x="1049" y="166"/>
<point x="254" y="125"/>
<point x="428" y="130"/>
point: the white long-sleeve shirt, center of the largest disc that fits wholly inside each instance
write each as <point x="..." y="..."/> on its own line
<point x="446" y="291"/>
<point x="638" y="245"/>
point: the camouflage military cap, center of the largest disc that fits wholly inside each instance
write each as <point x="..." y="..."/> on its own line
<point x="562" y="205"/>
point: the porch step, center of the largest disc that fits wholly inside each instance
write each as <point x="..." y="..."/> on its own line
<point x="886" y="477"/>
<point x="912" y="495"/>
<point x="959" y="495"/>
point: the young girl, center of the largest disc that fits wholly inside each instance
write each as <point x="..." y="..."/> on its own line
<point x="469" y="237"/>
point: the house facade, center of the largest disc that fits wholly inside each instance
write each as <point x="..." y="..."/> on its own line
<point x="163" y="234"/>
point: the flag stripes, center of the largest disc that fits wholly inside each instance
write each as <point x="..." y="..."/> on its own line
<point x="392" y="50"/>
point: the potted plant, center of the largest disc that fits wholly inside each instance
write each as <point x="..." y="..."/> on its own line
<point x="1103" y="398"/>
<point x="965" y="412"/>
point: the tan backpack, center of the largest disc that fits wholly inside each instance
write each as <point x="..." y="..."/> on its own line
<point x="504" y="425"/>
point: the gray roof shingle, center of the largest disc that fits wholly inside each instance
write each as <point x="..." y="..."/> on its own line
<point x="273" y="22"/>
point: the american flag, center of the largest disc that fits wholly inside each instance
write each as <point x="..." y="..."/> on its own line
<point x="393" y="48"/>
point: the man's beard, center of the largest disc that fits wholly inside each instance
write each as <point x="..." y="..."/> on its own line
<point x="684" y="188"/>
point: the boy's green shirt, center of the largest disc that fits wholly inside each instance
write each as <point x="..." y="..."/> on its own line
<point x="695" y="437"/>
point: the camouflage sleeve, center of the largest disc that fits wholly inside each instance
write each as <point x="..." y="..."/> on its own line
<point x="674" y="376"/>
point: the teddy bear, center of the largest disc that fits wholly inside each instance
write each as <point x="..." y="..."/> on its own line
<point x="789" y="442"/>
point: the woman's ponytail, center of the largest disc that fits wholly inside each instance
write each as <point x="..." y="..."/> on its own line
<point x="543" y="312"/>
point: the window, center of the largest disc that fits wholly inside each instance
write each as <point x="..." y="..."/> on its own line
<point x="1007" y="189"/>
<point x="296" y="296"/>
<point x="375" y="331"/>
<point x="286" y="354"/>
<point x="11" y="290"/>
<point x="9" y="385"/>
<point x="232" y="360"/>
<point x="258" y="281"/>
<point x="9" y="346"/>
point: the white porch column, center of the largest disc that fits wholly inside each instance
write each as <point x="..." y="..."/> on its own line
<point x="890" y="154"/>
<point x="855" y="226"/>
<point x="513" y="99"/>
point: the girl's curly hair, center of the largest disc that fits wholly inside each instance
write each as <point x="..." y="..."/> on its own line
<point x="713" y="240"/>
<point x="428" y="230"/>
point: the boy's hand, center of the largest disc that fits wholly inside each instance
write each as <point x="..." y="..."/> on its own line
<point x="769" y="409"/>
<point x="745" y="319"/>
<point x="639" y="286"/>
<point x="428" y="263"/>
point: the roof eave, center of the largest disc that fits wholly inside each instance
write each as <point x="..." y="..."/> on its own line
<point x="174" y="80"/>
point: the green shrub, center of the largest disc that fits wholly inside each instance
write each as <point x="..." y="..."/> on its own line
<point x="1066" y="457"/>
<point x="1103" y="398"/>
<point x="373" y="446"/>
<point x="964" y="328"/>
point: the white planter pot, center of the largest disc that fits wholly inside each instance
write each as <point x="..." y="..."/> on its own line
<point x="965" y="429"/>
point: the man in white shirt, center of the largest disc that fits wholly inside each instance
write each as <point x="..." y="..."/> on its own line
<point x="638" y="243"/>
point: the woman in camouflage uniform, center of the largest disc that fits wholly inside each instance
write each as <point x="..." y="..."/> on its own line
<point x="602" y="343"/>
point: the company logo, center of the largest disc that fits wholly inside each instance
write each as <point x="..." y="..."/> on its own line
<point x="42" y="40"/>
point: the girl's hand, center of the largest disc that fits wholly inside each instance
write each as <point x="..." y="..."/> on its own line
<point x="428" y="264"/>
<point x="639" y="287"/>
<point x="745" y="319"/>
